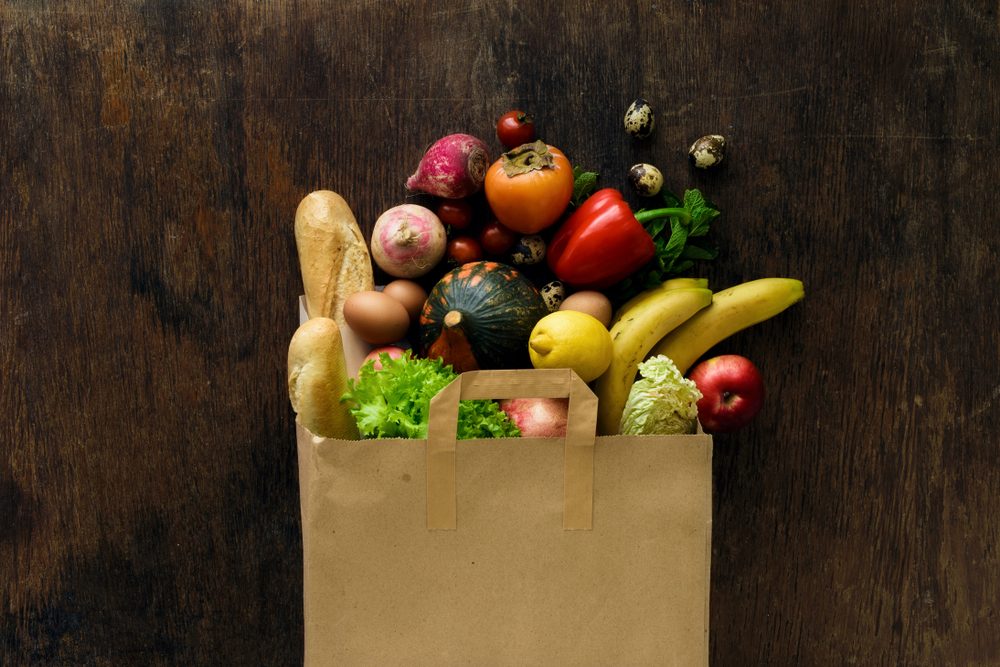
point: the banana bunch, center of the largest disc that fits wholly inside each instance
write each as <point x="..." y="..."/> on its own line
<point x="644" y="297"/>
<point x="681" y="319"/>
<point x="732" y="310"/>
<point x="640" y="324"/>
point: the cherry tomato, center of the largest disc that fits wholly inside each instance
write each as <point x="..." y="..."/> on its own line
<point x="455" y="212"/>
<point x="497" y="239"/>
<point x="463" y="249"/>
<point x="515" y="128"/>
<point x="529" y="187"/>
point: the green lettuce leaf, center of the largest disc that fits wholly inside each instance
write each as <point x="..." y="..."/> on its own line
<point x="395" y="402"/>
<point x="662" y="402"/>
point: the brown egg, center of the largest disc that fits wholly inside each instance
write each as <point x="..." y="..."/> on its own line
<point x="408" y="293"/>
<point x="376" y="318"/>
<point x="590" y="302"/>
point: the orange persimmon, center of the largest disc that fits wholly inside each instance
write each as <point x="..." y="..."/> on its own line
<point x="529" y="187"/>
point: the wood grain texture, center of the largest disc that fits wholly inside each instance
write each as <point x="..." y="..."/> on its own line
<point x="152" y="158"/>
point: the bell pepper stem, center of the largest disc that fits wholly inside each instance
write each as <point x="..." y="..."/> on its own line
<point x="657" y="213"/>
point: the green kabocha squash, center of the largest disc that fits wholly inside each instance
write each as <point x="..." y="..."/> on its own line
<point x="480" y="316"/>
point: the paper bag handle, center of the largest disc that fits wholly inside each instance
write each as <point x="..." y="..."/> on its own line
<point x="581" y="428"/>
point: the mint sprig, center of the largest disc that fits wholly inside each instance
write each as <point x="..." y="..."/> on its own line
<point x="584" y="185"/>
<point x="679" y="232"/>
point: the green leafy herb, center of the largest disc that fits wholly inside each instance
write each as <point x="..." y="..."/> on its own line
<point x="679" y="232"/>
<point x="395" y="402"/>
<point x="584" y="184"/>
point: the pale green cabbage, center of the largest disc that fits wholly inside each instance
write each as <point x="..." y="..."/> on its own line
<point x="662" y="402"/>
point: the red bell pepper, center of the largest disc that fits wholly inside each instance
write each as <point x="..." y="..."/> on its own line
<point x="602" y="242"/>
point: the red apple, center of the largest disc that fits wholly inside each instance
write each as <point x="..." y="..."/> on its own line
<point x="393" y="351"/>
<point x="538" y="417"/>
<point x="732" y="392"/>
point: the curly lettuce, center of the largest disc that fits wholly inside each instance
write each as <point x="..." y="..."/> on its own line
<point x="662" y="402"/>
<point x="394" y="402"/>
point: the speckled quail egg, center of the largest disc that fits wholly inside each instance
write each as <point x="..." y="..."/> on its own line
<point x="529" y="250"/>
<point x="553" y="294"/>
<point x="639" y="119"/>
<point x="708" y="151"/>
<point x="646" y="179"/>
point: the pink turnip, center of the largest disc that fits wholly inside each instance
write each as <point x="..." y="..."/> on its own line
<point x="453" y="167"/>
<point x="538" y="417"/>
<point x="408" y="241"/>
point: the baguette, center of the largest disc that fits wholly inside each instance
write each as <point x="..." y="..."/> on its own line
<point x="317" y="378"/>
<point x="333" y="254"/>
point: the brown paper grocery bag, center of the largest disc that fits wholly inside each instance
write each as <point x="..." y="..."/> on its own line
<point x="515" y="551"/>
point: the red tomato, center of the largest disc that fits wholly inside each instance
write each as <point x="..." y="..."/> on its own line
<point x="529" y="187"/>
<point x="497" y="239"/>
<point x="455" y="212"/>
<point x="464" y="249"/>
<point x="515" y="128"/>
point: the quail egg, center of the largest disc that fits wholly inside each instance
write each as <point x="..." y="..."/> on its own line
<point x="639" y="119"/>
<point x="553" y="294"/>
<point x="708" y="151"/>
<point x="645" y="179"/>
<point x="529" y="250"/>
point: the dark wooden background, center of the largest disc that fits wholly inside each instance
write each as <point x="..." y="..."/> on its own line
<point x="153" y="154"/>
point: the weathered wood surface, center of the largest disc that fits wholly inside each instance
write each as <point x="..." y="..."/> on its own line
<point x="152" y="158"/>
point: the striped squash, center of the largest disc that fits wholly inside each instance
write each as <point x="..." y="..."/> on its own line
<point x="480" y="316"/>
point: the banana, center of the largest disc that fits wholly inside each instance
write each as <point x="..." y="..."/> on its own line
<point x="733" y="309"/>
<point x="642" y="297"/>
<point x="632" y="337"/>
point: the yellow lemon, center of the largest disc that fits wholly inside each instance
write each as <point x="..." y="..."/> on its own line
<point x="571" y="339"/>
